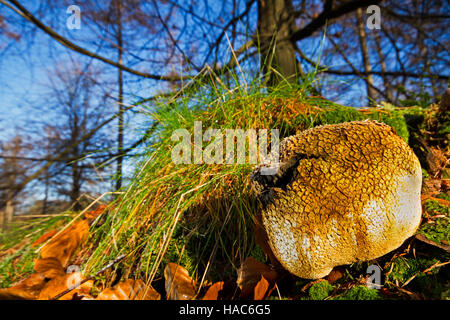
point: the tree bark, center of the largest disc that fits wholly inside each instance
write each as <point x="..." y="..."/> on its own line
<point x="275" y="27"/>
<point x="371" y="94"/>
<point x="2" y="220"/>
<point x="120" y="99"/>
<point x="387" y="86"/>
<point x="76" y="186"/>
<point x="9" y="213"/>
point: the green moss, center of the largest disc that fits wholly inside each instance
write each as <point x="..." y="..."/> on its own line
<point x="433" y="284"/>
<point x="16" y="266"/>
<point x="433" y="206"/>
<point x="443" y="195"/>
<point x="258" y="253"/>
<point x="360" y="292"/>
<point x="339" y="114"/>
<point x="430" y="286"/>
<point x="445" y="295"/>
<point x="439" y="230"/>
<point x="20" y="235"/>
<point x="393" y="117"/>
<point x="175" y="254"/>
<point x="436" y="232"/>
<point x="320" y="290"/>
<point x="403" y="269"/>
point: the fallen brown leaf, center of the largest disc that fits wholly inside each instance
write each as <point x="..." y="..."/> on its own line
<point x="334" y="275"/>
<point x="93" y="214"/>
<point x="222" y="291"/>
<point x="262" y="289"/>
<point x="249" y="274"/>
<point x="213" y="291"/>
<point x="179" y="285"/>
<point x="50" y="267"/>
<point x="63" y="246"/>
<point x="44" y="237"/>
<point x="130" y="290"/>
<point x="61" y="283"/>
<point x="436" y="160"/>
<point x="26" y="289"/>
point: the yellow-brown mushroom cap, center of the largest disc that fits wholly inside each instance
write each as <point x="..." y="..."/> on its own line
<point x="343" y="193"/>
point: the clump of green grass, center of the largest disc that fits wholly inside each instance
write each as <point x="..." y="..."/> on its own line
<point x="201" y="215"/>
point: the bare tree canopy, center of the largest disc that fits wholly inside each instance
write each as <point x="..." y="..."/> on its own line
<point x="362" y="51"/>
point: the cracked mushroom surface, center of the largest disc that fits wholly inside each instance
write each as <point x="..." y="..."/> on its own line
<point x="342" y="193"/>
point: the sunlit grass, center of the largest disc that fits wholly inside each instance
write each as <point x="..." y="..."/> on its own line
<point x="201" y="216"/>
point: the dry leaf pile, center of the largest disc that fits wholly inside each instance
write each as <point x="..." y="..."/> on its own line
<point x="56" y="275"/>
<point x="55" y="278"/>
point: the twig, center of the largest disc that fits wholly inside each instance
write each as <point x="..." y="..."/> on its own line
<point x="425" y="240"/>
<point x="410" y="279"/>
<point x="90" y="277"/>
<point x="436" y="265"/>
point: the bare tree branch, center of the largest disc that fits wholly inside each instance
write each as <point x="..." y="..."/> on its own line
<point x="22" y="11"/>
<point x="327" y="15"/>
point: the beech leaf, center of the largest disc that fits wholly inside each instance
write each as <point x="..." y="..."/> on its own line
<point x="62" y="283"/>
<point x="66" y="243"/>
<point x="130" y="290"/>
<point x="26" y="289"/>
<point x="249" y="274"/>
<point x="44" y="237"/>
<point x="213" y="291"/>
<point x="261" y="288"/>
<point x="178" y="283"/>
<point x="50" y="267"/>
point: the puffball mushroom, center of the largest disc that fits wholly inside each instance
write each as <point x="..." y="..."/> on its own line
<point x="342" y="193"/>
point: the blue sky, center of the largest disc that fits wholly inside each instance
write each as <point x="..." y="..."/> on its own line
<point x="25" y="70"/>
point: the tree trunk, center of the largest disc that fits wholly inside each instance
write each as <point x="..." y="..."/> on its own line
<point x="76" y="186"/>
<point x="371" y="93"/>
<point x="120" y="99"/>
<point x="8" y="213"/>
<point x="9" y="210"/>
<point x="387" y="86"/>
<point x="275" y="25"/>
<point x="2" y="220"/>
